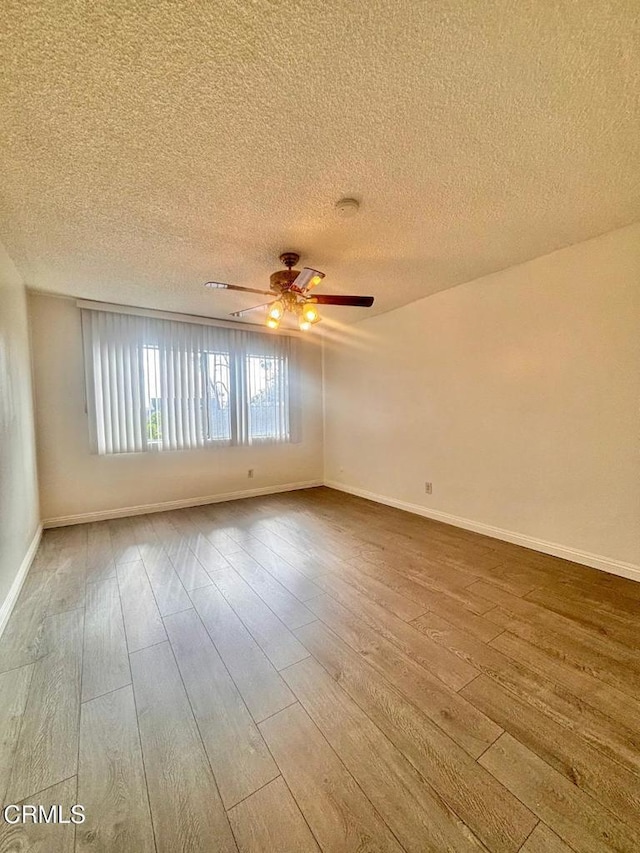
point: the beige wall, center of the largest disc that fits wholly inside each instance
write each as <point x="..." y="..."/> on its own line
<point x="74" y="481"/>
<point x="18" y="483"/>
<point x="516" y="395"/>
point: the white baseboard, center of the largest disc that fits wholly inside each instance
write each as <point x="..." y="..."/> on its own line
<point x="595" y="561"/>
<point x="14" y="591"/>
<point x="144" y="509"/>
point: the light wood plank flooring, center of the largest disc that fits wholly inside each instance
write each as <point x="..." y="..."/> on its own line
<point x="311" y="671"/>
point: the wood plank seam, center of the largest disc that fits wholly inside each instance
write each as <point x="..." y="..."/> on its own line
<point x="345" y="769"/>
<point x="144" y="768"/>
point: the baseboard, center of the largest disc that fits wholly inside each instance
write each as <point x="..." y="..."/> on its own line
<point x="144" y="509"/>
<point x="14" y="591"/>
<point x="595" y="561"/>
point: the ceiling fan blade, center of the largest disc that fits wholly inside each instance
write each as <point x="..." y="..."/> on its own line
<point x="220" y="285"/>
<point x="356" y="301"/>
<point x="248" y="310"/>
<point x="308" y="278"/>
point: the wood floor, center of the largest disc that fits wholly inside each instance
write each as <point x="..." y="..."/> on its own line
<point x="311" y="671"/>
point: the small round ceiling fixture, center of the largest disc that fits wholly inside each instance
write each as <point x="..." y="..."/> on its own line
<point x="347" y="207"/>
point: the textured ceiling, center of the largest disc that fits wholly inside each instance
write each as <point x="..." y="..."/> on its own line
<point x="149" y="146"/>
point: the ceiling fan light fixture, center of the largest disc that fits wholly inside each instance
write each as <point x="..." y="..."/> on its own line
<point x="304" y="325"/>
<point x="272" y="322"/>
<point x="276" y="310"/>
<point x="310" y="313"/>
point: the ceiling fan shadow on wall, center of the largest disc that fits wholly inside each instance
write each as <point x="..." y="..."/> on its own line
<point x="291" y="293"/>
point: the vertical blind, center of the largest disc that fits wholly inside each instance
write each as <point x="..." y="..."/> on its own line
<point x="173" y="385"/>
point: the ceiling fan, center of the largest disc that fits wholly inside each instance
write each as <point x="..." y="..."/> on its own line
<point x="292" y="291"/>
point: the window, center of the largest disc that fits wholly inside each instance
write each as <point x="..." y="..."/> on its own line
<point x="217" y="378"/>
<point x="151" y="367"/>
<point x="268" y="403"/>
<point x="172" y="385"/>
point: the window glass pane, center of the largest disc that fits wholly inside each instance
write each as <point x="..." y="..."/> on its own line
<point x="218" y="385"/>
<point x="151" y="368"/>
<point x="268" y="397"/>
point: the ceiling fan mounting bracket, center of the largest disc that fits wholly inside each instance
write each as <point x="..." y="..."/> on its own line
<point x="289" y="259"/>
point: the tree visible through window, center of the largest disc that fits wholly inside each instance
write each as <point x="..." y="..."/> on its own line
<point x="151" y="367"/>
<point x="217" y="386"/>
<point x="267" y="403"/>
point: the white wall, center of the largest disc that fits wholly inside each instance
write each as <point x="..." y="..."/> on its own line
<point x="18" y="483"/>
<point x="74" y="481"/>
<point x="516" y="395"/>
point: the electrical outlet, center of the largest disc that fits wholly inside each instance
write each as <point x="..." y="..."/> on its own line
<point x="250" y="473"/>
<point x="428" y="488"/>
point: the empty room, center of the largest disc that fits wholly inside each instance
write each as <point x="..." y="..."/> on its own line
<point x="320" y="426"/>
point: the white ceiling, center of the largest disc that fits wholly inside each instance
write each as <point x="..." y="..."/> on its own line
<point x="148" y="146"/>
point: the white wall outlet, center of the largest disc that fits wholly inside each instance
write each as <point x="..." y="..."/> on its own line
<point x="250" y="473"/>
<point x="428" y="488"/>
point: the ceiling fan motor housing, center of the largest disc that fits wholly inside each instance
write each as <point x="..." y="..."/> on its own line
<point x="283" y="279"/>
